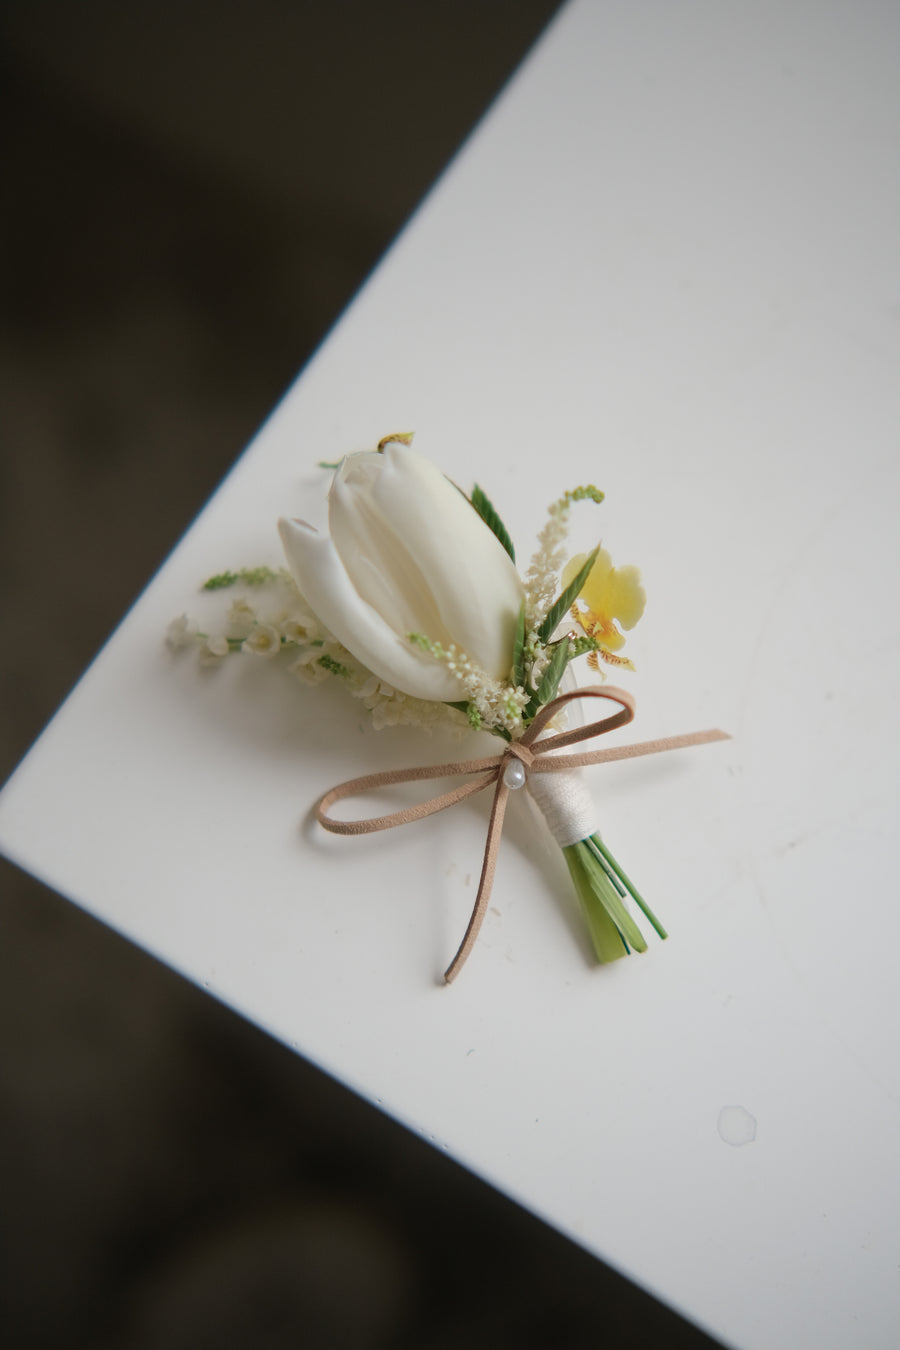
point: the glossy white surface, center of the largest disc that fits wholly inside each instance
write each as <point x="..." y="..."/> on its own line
<point x="668" y="264"/>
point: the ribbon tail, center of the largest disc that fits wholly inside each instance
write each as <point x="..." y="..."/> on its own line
<point x="491" y="849"/>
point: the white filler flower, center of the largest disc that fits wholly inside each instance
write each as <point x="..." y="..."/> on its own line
<point x="407" y="554"/>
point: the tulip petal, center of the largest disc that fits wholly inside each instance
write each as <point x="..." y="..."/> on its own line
<point x="376" y="557"/>
<point x="320" y="574"/>
<point x="469" y="574"/>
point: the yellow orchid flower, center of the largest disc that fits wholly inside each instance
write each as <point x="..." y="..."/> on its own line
<point x="611" y="596"/>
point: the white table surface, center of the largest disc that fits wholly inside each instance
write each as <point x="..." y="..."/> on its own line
<point x="667" y="263"/>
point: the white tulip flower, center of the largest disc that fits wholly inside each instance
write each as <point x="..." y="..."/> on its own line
<point x="407" y="553"/>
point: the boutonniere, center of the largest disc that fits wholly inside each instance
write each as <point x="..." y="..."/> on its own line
<point x="414" y="602"/>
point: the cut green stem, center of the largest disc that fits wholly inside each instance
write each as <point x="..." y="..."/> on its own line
<point x="597" y="843"/>
<point x="603" y="889"/>
<point x="608" y="942"/>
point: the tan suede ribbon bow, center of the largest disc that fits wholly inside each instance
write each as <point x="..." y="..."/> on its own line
<point x="532" y="753"/>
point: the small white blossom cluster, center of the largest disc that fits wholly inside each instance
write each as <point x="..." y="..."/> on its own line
<point x="536" y="659"/>
<point x="248" y="630"/>
<point x="181" y="632"/>
<point x="391" y="708"/>
<point x="315" y="663"/>
<point x="288" y="626"/>
<point x="316" y="655"/>
<point x="542" y="577"/>
<point x="492" y="703"/>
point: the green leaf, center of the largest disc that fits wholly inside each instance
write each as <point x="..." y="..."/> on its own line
<point x="552" y="674"/>
<point x="488" y="514"/>
<point x="567" y="599"/>
<point x="518" y="662"/>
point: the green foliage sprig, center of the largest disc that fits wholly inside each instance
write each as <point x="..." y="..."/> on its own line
<point x="250" y="576"/>
<point x="565" y="601"/>
<point x="488" y="513"/>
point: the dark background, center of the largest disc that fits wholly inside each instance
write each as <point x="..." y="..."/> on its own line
<point x="193" y="192"/>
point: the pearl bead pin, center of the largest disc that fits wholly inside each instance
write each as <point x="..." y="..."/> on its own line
<point x="514" y="774"/>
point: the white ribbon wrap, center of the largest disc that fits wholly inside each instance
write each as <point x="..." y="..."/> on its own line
<point x="566" y="805"/>
<point x="564" y="801"/>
